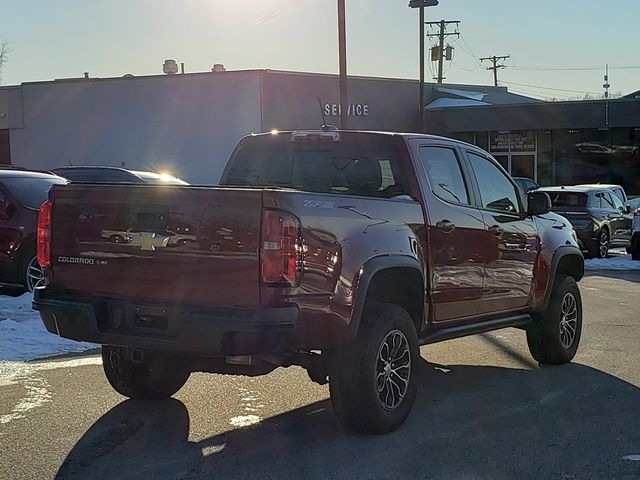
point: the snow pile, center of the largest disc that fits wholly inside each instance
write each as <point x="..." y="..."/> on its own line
<point x="23" y="336"/>
<point x="620" y="262"/>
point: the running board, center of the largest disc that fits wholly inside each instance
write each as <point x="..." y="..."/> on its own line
<point x="458" y="331"/>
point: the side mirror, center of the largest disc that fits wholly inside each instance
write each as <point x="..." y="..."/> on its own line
<point x="538" y="203"/>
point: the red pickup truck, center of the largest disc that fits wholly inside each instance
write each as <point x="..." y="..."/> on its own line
<point x="339" y="251"/>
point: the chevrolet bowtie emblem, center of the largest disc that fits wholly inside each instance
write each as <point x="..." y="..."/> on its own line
<point x="148" y="241"/>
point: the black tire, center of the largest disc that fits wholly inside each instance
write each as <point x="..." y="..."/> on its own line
<point x="635" y="254"/>
<point x="158" y="376"/>
<point x="601" y="248"/>
<point x="355" y="370"/>
<point x="547" y="335"/>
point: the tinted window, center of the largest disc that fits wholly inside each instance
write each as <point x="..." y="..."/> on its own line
<point x="619" y="193"/>
<point x="32" y="191"/>
<point x="357" y="164"/>
<point x="496" y="191"/>
<point x="445" y="177"/>
<point x="97" y="175"/>
<point x="568" y="199"/>
<point x="617" y="203"/>
<point x="605" y="200"/>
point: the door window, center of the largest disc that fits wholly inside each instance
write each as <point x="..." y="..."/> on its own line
<point x="496" y="191"/>
<point x="606" y="201"/>
<point x="444" y="174"/>
<point x="617" y="203"/>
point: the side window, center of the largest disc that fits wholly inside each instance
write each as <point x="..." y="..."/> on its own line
<point x="617" y="203"/>
<point x="444" y="173"/>
<point x="607" y="202"/>
<point x="619" y="193"/>
<point x="496" y="191"/>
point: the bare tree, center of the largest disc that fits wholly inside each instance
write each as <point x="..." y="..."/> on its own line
<point x="4" y="55"/>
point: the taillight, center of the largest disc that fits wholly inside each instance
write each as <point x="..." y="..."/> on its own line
<point x="281" y="250"/>
<point x="637" y="212"/>
<point x="44" y="235"/>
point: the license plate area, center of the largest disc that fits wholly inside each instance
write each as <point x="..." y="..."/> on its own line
<point x="140" y="320"/>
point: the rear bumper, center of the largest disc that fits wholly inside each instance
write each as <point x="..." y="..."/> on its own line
<point x="189" y="329"/>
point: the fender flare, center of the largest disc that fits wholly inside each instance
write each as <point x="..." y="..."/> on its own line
<point x="559" y="254"/>
<point x="369" y="269"/>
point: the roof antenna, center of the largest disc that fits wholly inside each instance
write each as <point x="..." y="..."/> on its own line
<point x="324" y="120"/>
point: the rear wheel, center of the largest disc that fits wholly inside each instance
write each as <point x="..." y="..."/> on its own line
<point x="603" y="244"/>
<point x="159" y="375"/>
<point x="373" y="381"/>
<point x="33" y="274"/>
<point x="554" y="335"/>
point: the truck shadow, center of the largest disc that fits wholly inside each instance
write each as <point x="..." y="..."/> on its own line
<point x="469" y="422"/>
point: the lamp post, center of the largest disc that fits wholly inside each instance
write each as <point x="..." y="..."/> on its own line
<point x="421" y="4"/>
<point x="342" y="54"/>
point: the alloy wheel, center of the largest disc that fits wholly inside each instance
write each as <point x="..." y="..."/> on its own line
<point x="568" y="320"/>
<point x="603" y="244"/>
<point x="393" y="369"/>
<point x="35" y="275"/>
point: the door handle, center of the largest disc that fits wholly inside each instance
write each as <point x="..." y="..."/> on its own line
<point x="446" y="226"/>
<point x="496" y="230"/>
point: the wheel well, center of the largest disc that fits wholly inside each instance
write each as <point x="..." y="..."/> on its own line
<point x="402" y="286"/>
<point x="572" y="265"/>
<point x="606" y="227"/>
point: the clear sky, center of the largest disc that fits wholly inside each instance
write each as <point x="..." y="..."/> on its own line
<point x="64" y="38"/>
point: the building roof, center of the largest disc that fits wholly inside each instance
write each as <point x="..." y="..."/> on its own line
<point x="475" y="96"/>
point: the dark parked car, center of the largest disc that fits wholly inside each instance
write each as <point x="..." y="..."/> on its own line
<point x="634" y="205"/>
<point x="21" y="194"/>
<point x="598" y="216"/>
<point x="526" y="184"/>
<point x="617" y="189"/>
<point x="341" y="252"/>
<point x="115" y="175"/>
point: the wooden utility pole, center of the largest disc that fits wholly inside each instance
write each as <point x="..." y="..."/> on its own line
<point x="495" y="59"/>
<point x="442" y="34"/>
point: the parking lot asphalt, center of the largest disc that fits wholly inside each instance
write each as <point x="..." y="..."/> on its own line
<point x="485" y="410"/>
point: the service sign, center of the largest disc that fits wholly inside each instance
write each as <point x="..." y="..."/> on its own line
<point x="353" y="110"/>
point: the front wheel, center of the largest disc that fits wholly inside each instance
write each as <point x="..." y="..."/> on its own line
<point x="373" y="381"/>
<point x="554" y="335"/>
<point x="159" y="375"/>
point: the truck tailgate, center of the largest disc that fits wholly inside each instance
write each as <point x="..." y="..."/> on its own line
<point x="185" y="245"/>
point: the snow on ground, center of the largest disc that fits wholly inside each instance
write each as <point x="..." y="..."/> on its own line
<point x="23" y="336"/>
<point x="618" y="260"/>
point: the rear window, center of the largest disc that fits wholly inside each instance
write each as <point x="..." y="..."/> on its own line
<point x="357" y="164"/>
<point x="32" y="192"/>
<point x="568" y="199"/>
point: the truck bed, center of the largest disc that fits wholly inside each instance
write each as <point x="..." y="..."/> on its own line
<point x="158" y="244"/>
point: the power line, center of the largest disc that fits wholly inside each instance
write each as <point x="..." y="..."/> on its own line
<point x="471" y="50"/>
<point x="569" y="69"/>
<point x="470" y="53"/>
<point x="548" y="88"/>
<point x="457" y="65"/>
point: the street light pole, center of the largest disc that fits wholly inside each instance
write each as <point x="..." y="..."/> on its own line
<point x="342" y="52"/>
<point x="421" y="106"/>
<point x="421" y="4"/>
